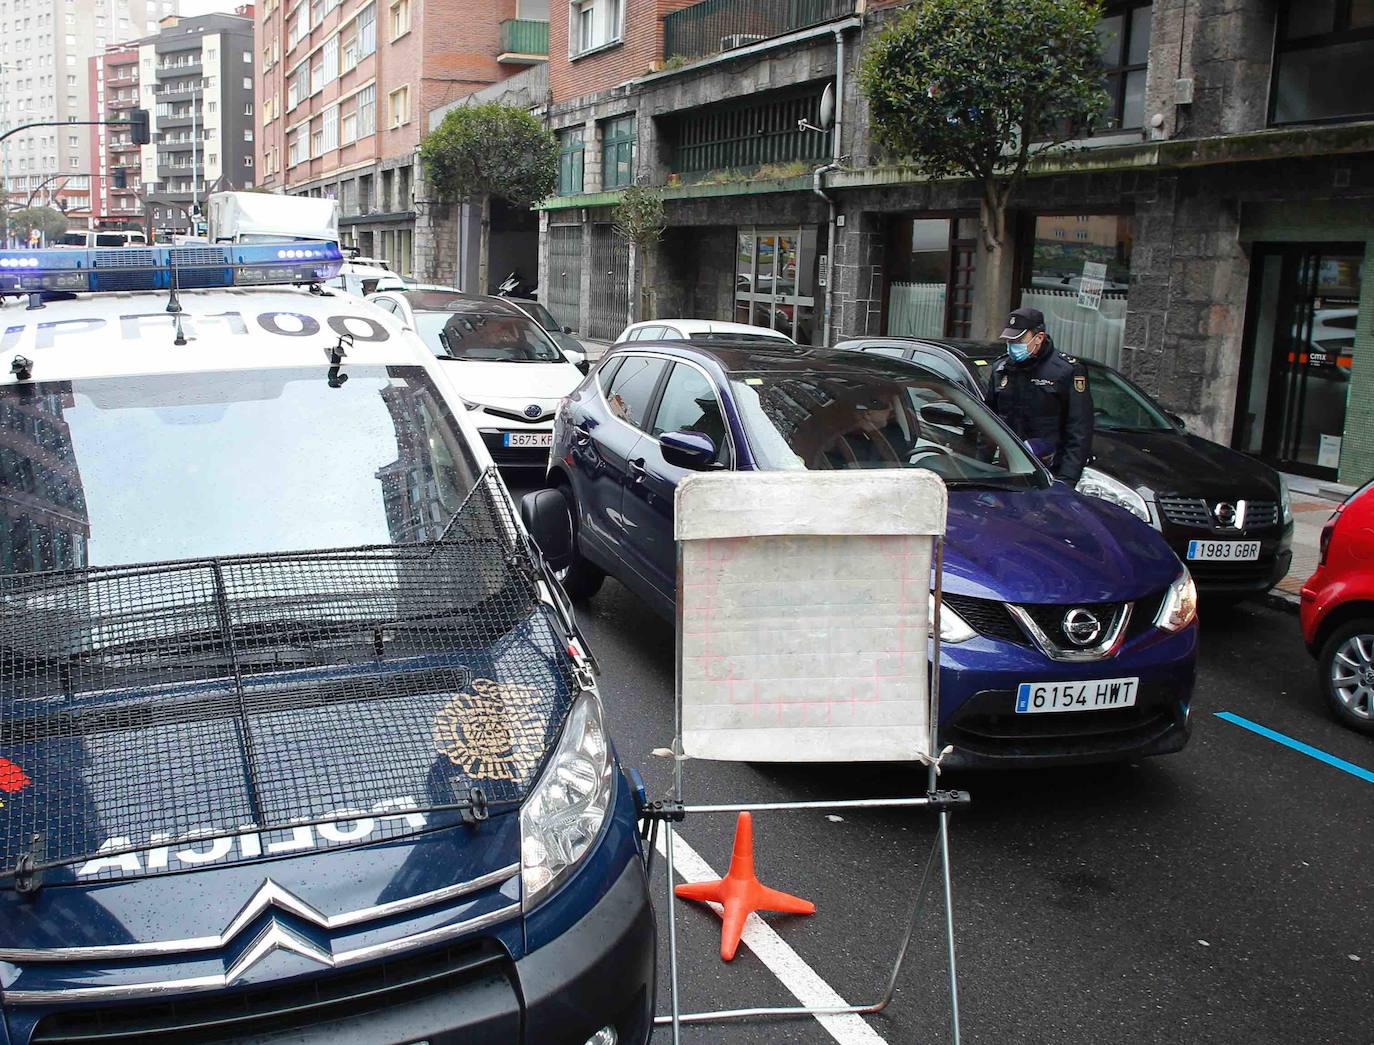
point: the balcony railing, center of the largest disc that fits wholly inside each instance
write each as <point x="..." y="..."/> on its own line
<point x="713" y="26"/>
<point x="522" y="37"/>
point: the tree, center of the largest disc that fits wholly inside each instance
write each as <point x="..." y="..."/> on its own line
<point x="47" y="220"/>
<point x="975" y="88"/>
<point x="485" y="151"/>
<point x="640" y="218"/>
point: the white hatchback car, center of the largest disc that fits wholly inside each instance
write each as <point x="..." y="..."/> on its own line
<point x="702" y="329"/>
<point x="511" y="373"/>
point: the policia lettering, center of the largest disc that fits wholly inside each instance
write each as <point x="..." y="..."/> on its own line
<point x="138" y="326"/>
<point x="1043" y="397"/>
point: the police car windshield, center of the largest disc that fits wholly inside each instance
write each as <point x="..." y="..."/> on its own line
<point x="490" y="338"/>
<point x="847" y="419"/>
<point x="123" y="470"/>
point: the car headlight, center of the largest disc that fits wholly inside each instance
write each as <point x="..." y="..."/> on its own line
<point x="953" y="628"/>
<point x="1180" y="604"/>
<point x="1101" y="485"/>
<point x="563" y="814"/>
<point x="1285" y="499"/>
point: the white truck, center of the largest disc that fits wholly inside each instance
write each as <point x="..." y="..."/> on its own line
<point x="260" y="217"/>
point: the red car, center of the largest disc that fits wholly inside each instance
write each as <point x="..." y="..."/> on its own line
<point x="1338" y="611"/>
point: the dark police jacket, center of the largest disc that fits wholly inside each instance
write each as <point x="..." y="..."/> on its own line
<point x="1046" y="398"/>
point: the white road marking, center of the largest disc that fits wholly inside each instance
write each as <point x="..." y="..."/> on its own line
<point x="780" y="959"/>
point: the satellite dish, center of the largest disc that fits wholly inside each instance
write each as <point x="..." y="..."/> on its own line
<point x="826" y="118"/>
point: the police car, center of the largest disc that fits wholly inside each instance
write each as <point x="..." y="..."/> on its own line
<point x="297" y="736"/>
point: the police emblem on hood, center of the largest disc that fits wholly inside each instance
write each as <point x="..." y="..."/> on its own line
<point x="492" y="733"/>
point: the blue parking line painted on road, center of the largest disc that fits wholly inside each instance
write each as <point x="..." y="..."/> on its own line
<point x="1298" y="745"/>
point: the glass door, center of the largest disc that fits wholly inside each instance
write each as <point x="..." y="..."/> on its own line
<point x="775" y="281"/>
<point x="1304" y="305"/>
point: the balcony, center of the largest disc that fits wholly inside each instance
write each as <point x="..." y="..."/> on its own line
<point x="176" y="145"/>
<point x="713" y="26"/>
<point x="182" y="120"/>
<point x="166" y="171"/>
<point x="524" y="42"/>
<point x="121" y="81"/>
<point x="178" y="69"/>
<point x="120" y="104"/>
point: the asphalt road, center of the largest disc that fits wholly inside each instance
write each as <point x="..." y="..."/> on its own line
<point x="1223" y="894"/>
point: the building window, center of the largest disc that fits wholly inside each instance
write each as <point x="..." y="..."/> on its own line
<point x="400" y="106"/>
<point x="400" y="18"/>
<point x="1125" y="36"/>
<point x="618" y="152"/>
<point x="331" y="129"/>
<point x="1077" y="274"/>
<point x="296" y="151"/>
<point x="571" y="156"/>
<point x="367" y="30"/>
<point x="330" y="55"/>
<point x="350" y="54"/>
<point x="747" y="133"/>
<point x="367" y="111"/>
<point x="349" y="128"/>
<point x="1321" y="62"/>
<point x="594" y="23"/>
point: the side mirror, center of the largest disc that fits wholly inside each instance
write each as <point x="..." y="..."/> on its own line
<point x="1177" y="421"/>
<point x="583" y="366"/>
<point x="690" y="450"/>
<point x="567" y="330"/>
<point x="545" y="515"/>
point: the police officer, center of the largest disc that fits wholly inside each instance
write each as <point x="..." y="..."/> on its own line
<point x="1043" y="395"/>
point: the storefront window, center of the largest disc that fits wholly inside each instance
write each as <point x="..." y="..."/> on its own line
<point x="917" y="299"/>
<point x="1077" y="275"/>
<point x="1322" y="58"/>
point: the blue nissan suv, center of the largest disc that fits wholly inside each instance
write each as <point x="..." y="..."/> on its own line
<point x="1069" y="626"/>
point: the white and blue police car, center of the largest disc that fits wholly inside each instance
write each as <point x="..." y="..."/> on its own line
<point x="298" y="740"/>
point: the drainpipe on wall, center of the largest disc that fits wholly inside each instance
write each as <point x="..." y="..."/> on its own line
<point x="818" y="185"/>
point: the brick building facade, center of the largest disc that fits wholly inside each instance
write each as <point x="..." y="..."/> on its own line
<point x="346" y="86"/>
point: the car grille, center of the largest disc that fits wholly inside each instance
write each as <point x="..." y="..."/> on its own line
<point x="283" y="1007"/>
<point x="1186" y="511"/>
<point x="1050" y="620"/>
<point x="987" y="617"/>
<point x="1194" y="512"/>
<point x="991" y="618"/>
<point x="517" y="415"/>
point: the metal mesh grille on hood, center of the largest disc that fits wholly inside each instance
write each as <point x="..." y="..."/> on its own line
<point x="142" y="707"/>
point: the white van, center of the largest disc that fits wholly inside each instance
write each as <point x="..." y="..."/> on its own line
<point x="102" y="238"/>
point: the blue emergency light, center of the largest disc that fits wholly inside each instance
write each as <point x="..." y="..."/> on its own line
<point x="162" y="268"/>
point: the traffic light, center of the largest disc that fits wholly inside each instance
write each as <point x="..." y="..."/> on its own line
<point x="138" y="126"/>
<point x="121" y="178"/>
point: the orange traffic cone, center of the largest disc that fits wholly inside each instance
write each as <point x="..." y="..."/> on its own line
<point x="740" y="892"/>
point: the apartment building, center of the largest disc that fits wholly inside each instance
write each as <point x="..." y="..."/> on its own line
<point x="45" y="76"/>
<point x="1225" y="211"/>
<point x="114" y="84"/>
<point x="195" y="78"/>
<point x="345" y="85"/>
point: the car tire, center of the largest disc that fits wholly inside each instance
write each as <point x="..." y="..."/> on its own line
<point x="583" y="578"/>
<point x="1348" y="654"/>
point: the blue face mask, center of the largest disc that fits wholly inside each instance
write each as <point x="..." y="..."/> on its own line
<point x="1019" y="351"/>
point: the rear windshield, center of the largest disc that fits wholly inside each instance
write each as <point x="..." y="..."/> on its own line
<point x="848" y="419"/>
<point x="115" y="471"/>
<point x="494" y="339"/>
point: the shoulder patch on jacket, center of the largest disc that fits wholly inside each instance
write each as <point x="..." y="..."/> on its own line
<point x="1080" y="383"/>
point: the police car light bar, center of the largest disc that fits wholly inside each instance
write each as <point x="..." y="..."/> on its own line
<point x="161" y="268"/>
